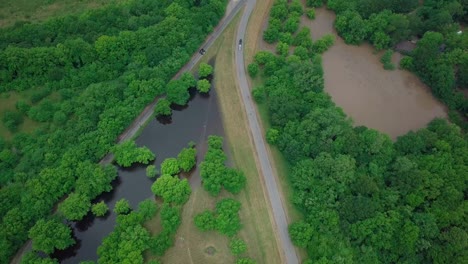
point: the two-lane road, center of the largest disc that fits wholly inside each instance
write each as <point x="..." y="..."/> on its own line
<point x="273" y="192"/>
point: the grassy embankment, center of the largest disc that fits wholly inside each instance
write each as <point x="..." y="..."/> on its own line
<point x="257" y="231"/>
<point x="12" y="11"/>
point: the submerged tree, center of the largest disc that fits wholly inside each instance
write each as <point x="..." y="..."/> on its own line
<point x="127" y="153"/>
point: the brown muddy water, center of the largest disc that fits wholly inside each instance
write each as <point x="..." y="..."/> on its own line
<point x="165" y="137"/>
<point x="393" y="102"/>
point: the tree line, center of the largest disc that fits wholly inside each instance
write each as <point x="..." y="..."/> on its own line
<point x="82" y="93"/>
<point x="364" y="198"/>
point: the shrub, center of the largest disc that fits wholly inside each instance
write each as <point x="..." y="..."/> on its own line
<point x="151" y="171"/>
<point x="203" y="86"/>
<point x="187" y="158"/>
<point x="122" y="206"/>
<point x="311" y="13"/>
<point x="272" y="136"/>
<point x="407" y="63"/>
<point x="170" y="166"/>
<point x="204" y="70"/>
<point x="12" y="120"/>
<point x="258" y="94"/>
<point x="163" y="108"/>
<point x="237" y="246"/>
<point x="387" y="60"/>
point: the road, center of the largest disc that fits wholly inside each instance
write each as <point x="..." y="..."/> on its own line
<point x="274" y="195"/>
<point x="232" y="9"/>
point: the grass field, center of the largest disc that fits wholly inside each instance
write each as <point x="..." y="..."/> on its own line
<point x="257" y="231"/>
<point x="12" y="11"/>
<point x="8" y="102"/>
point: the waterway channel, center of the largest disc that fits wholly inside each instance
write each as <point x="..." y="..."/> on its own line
<point x="195" y="122"/>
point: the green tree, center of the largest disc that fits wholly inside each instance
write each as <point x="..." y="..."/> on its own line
<point x="188" y="79"/>
<point x="127" y="153"/>
<point x="203" y="86"/>
<point x="234" y="181"/>
<point x="12" y="120"/>
<point x="282" y="49"/>
<point x="122" y="207"/>
<point x="272" y="33"/>
<point x="171" y="189"/>
<point x="187" y="159"/>
<point x="311" y="13"/>
<point x="163" y="108"/>
<point x="253" y="69"/>
<point x="50" y="235"/>
<point x="204" y="70"/>
<point x="34" y="258"/>
<point x="147" y="209"/>
<point x="351" y="27"/>
<point x="170" y="166"/>
<point x="272" y="136"/>
<point x="227" y="217"/>
<point x="99" y="209"/>
<point x="258" y="93"/>
<point x="323" y="44"/>
<point x="205" y="221"/>
<point x="75" y="207"/>
<point x="245" y="261"/>
<point x="237" y="246"/>
<point x="300" y="233"/>
<point x="177" y="92"/>
<point x="314" y="3"/>
<point x="387" y="60"/>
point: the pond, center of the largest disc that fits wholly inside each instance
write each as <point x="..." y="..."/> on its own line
<point x="165" y="138"/>
<point x="393" y="102"/>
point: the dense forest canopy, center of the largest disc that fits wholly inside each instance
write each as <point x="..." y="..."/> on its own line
<point x="83" y="79"/>
<point x="440" y="58"/>
<point x="364" y="198"/>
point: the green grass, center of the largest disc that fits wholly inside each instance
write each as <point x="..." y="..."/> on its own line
<point x="12" y="11"/>
<point x="8" y="102"/>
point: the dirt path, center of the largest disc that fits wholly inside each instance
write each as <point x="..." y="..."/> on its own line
<point x="266" y="169"/>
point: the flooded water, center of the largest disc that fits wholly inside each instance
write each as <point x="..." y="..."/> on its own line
<point x="393" y="102"/>
<point x="193" y="123"/>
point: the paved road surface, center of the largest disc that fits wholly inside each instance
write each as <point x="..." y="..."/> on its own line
<point x="265" y="164"/>
<point x="232" y="9"/>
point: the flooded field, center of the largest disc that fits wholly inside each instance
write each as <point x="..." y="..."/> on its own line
<point x="393" y="102"/>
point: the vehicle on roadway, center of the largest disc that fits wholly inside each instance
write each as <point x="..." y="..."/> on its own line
<point x="202" y="51"/>
<point x="240" y="44"/>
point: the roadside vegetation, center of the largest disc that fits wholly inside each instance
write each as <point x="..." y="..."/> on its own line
<point x="82" y="79"/>
<point x="440" y="58"/>
<point x="365" y="199"/>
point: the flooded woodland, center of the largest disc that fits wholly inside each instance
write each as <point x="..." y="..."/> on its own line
<point x="393" y="102"/>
